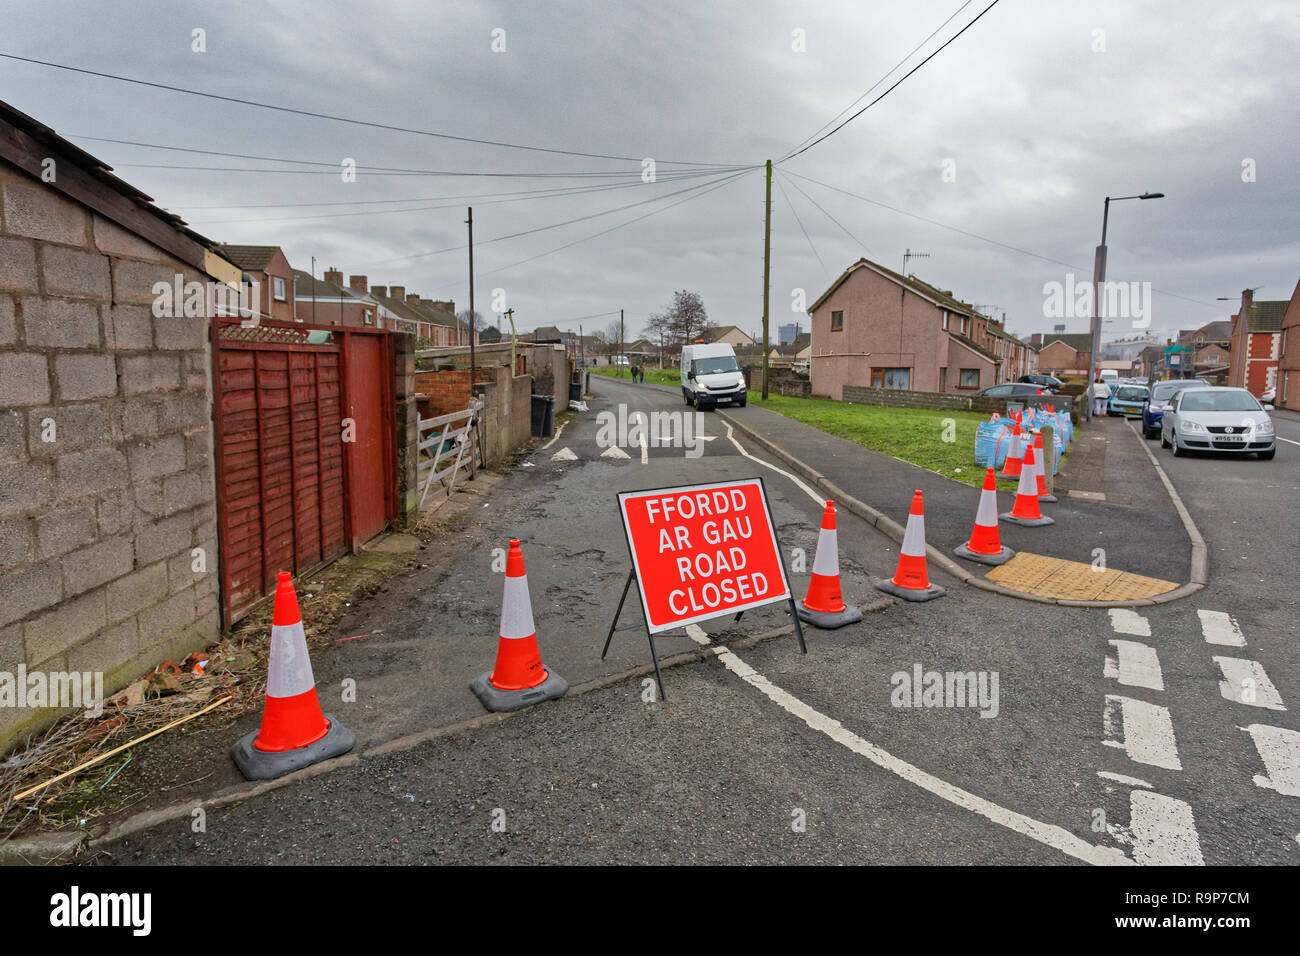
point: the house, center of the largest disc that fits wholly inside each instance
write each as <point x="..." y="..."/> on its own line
<point x="270" y="270"/>
<point x="328" y="301"/>
<point x="1063" y="352"/>
<point x="1212" y="333"/>
<point x="1256" y="343"/>
<point x="1288" y="386"/>
<point x="876" y="328"/>
<point x="544" y="334"/>
<point x="433" y="323"/>
<point x="1212" y="361"/>
<point x="100" y="529"/>
<point x="728" y="335"/>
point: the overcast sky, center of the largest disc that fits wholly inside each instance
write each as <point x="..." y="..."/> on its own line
<point x="1038" y="111"/>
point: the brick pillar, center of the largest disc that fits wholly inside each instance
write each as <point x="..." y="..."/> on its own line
<point x="407" y="436"/>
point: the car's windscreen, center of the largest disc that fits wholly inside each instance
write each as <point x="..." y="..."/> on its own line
<point x="718" y="363"/>
<point x="1131" y="393"/>
<point x="1197" y="400"/>
<point x="1165" y="391"/>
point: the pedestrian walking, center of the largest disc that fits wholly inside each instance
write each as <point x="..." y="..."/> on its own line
<point x="1099" y="392"/>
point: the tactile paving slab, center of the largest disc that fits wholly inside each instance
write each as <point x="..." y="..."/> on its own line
<point x="1073" y="580"/>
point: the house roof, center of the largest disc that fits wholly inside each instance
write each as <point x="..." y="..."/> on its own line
<point x="438" y="315"/>
<point x="250" y="258"/>
<point x="1079" y="341"/>
<point x="718" y="331"/>
<point x="974" y="347"/>
<point x="1217" y="331"/>
<point x="90" y="181"/>
<point x="801" y="342"/>
<point x="935" y="295"/>
<point x="307" y="287"/>
<point x="1266" y="316"/>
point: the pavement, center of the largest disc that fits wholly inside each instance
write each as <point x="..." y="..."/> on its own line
<point x="1101" y="736"/>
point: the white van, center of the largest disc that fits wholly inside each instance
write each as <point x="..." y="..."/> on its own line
<point x="711" y="376"/>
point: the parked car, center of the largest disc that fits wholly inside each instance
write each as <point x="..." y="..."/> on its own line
<point x="1127" y="401"/>
<point x="1162" y="393"/>
<point x="1269" y="396"/>
<point x="1217" y="419"/>
<point x="1013" y="390"/>
<point x="1049" y="382"/>
<point x="711" y="376"/>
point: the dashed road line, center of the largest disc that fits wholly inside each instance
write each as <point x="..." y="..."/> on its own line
<point x="1147" y="731"/>
<point x="798" y="481"/>
<point x="1245" y="682"/>
<point x="1279" y="749"/>
<point x="1124" y="779"/>
<point x="1126" y="621"/>
<point x="1220" y="629"/>
<point x="1138" y="665"/>
<point x="1164" y="833"/>
<point x="1047" y="834"/>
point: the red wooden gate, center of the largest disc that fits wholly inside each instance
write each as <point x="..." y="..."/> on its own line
<point x="292" y="493"/>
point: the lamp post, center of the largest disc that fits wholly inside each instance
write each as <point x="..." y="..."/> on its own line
<point x="1098" y="280"/>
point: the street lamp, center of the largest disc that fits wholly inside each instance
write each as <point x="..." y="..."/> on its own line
<point x="1098" y="280"/>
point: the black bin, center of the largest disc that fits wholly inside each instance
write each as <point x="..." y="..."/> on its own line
<point x="543" y="416"/>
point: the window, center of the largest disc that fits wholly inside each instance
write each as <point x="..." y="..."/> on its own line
<point x="369" y="315"/>
<point x="970" y="378"/>
<point x="837" y="321"/>
<point x="999" y="391"/>
<point x="895" y="378"/>
<point x="943" y="372"/>
<point x="945" y="321"/>
<point x="279" y="289"/>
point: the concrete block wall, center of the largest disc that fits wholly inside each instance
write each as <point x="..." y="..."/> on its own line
<point x="901" y="398"/>
<point x="406" y="422"/>
<point x="106" y="467"/>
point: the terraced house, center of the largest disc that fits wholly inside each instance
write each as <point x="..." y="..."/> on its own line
<point x="876" y="328"/>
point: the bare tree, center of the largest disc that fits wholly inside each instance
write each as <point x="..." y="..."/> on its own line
<point x="684" y="321"/>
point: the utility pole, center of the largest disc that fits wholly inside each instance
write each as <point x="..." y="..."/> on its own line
<point x="313" y="290"/>
<point x="767" y="270"/>
<point x="620" y="343"/>
<point x="510" y="314"/>
<point x="472" y="360"/>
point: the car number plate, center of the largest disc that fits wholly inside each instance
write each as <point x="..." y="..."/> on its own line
<point x="1230" y="439"/>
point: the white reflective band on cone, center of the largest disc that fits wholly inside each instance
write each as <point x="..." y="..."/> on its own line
<point x="827" y="561"/>
<point x="517" y="609"/>
<point x="914" y="536"/>
<point x="987" y="515"/>
<point x="289" y="672"/>
<point x="1028" y="482"/>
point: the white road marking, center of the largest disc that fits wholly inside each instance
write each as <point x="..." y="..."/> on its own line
<point x="1220" y="629"/>
<point x="615" y="453"/>
<point x="1280" y="750"/>
<point x="554" y="438"/>
<point x="1147" y="731"/>
<point x="798" y="481"/>
<point x="1126" y="621"/>
<point x="1245" y="682"/>
<point x="1164" y="833"/>
<point x="564" y="454"/>
<point x="1124" y="779"/>
<point x="1138" y="666"/>
<point x="645" y="449"/>
<point x="1047" y="834"/>
<point x="1287" y="440"/>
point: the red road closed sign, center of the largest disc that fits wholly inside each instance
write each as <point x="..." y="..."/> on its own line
<point x="701" y="551"/>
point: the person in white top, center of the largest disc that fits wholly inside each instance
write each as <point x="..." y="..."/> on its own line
<point x="1099" y="392"/>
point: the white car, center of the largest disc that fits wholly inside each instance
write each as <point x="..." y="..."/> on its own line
<point x="1217" y="419"/>
<point x="1269" y="396"/>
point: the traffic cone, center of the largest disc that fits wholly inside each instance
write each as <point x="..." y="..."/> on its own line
<point x="295" y="733"/>
<point x="1015" y="455"/>
<point x="1040" y="469"/>
<point x="824" y="606"/>
<point x="911" y="581"/>
<point x="1026" y="511"/>
<point x="518" y="679"/>
<point x="985" y="545"/>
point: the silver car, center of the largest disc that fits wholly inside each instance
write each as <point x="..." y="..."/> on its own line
<point x="1217" y="419"/>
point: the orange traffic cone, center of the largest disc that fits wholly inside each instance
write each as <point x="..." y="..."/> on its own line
<point x="1040" y="468"/>
<point x="911" y="581"/>
<point x="1026" y="511"/>
<point x="824" y="606"/>
<point x="985" y="545"/>
<point x="295" y="733"/>
<point x="1015" y="455"/>
<point x="518" y="679"/>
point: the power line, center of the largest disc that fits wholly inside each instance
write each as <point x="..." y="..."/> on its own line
<point x="828" y="215"/>
<point x="340" y="119"/>
<point x="951" y="17"/>
<point x="899" y="83"/>
<point x="795" y="212"/>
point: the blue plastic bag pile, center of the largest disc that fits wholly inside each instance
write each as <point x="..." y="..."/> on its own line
<point x="993" y="438"/>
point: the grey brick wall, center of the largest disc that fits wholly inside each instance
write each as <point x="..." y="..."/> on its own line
<point x="106" y="475"/>
<point x="901" y="398"/>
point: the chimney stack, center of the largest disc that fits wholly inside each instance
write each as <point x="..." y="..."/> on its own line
<point x="379" y="290"/>
<point x="398" y="292"/>
<point x="412" y="298"/>
<point x="333" y="275"/>
<point x="358" y="283"/>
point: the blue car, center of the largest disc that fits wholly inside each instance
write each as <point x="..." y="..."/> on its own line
<point x="1127" y="400"/>
<point x="1162" y="394"/>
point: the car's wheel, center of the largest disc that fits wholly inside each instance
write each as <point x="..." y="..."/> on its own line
<point x="1267" y="455"/>
<point x="742" y="403"/>
<point x="686" y="396"/>
<point x="1179" y="451"/>
<point x="1148" y="433"/>
<point x="1164" y="442"/>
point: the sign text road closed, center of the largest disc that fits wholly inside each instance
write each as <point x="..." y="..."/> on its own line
<point x="701" y="551"/>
